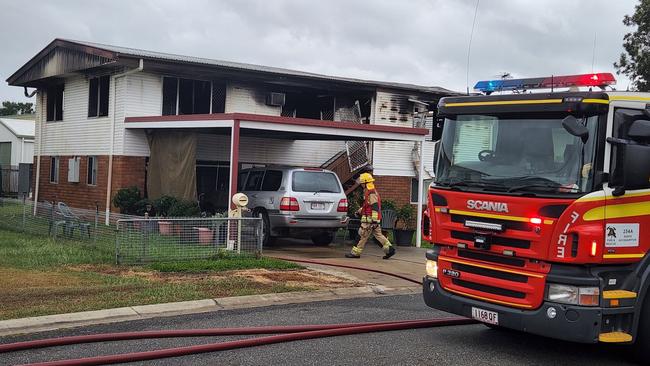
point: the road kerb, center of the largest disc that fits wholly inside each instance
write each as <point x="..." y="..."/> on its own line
<point x="71" y="320"/>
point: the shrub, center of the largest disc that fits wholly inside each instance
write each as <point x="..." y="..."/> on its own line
<point x="388" y="205"/>
<point x="405" y="216"/>
<point x="126" y="198"/>
<point x="164" y="204"/>
<point x="354" y="202"/>
<point x="184" y="208"/>
<point x="140" y="207"/>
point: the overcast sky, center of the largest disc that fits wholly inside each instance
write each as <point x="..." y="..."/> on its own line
<point x="419" y="41"/>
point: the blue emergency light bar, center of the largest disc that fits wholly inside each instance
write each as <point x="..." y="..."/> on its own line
<point x="600" y="79"/>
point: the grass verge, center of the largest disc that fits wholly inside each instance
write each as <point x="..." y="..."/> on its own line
<point x="41" y="276"/>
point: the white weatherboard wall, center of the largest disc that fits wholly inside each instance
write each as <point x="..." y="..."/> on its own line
<point x="22" y="149"/>
<point x="140" y="94"/>
<point x="76" y="134"/>
<point x="246" y="99"/>
<point x="268" y="151"/>
<point x="143" y="97"/>
<point x="393" y="158"/>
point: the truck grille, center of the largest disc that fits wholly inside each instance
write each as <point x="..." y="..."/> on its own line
<point x="498" y="240"/>
<point x="467" y="274"/>
<point x="516" y="262"/>
<point x="489" y="289"/>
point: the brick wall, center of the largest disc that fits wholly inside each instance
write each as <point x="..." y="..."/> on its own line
<point x="396" y="189"/>
<point x="127" y="171"/>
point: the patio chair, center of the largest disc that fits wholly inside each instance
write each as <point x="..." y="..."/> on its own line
<point x="388" y="220"/>
<point x="70" y="222"/>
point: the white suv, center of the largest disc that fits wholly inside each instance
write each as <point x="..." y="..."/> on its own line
<point x="295" y="202"/>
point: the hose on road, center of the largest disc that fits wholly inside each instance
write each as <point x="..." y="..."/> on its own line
<point x="180" y="333"/>
<point x="253" y="342"/>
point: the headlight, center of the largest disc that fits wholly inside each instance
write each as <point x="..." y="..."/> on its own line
<point x="432" y="269"/>
<point x="566" y="294"/>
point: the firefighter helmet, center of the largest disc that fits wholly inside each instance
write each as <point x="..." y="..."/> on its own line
<point x="366" y="178"/>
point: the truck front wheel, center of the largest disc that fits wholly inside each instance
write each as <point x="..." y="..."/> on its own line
<point x="641" y="348"/>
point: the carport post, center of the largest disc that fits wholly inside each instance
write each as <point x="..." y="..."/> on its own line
<point x="234" y="161"/>
<point x="418" y="229"/>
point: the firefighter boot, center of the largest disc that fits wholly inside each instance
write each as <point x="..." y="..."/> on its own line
<point x="390" y="253"/>
<point x="354" y="253"/>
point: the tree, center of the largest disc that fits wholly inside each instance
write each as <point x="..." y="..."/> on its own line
<point x="11" y="108"/>
<point x="635" y="61"/>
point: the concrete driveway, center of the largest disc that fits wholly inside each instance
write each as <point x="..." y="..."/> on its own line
<point x="408" y="261"/>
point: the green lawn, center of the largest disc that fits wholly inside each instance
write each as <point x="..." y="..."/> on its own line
<point x="41" y="276"/>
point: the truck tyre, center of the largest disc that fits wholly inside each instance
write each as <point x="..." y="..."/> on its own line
<point x="641" y="348"/>
<point x="323" y="238"/>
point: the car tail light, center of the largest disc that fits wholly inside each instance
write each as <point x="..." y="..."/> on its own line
<point x="343" y="205"/>
<point x="289" y="204"/>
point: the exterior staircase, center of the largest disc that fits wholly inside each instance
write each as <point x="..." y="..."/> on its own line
<point x="340" y="165"/>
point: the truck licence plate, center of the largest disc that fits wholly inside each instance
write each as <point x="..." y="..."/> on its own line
<point x="485" y="316"/>
<point x="317" y="206"/>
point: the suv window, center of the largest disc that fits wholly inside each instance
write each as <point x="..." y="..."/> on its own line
<point x="241" y="179"/>
<point x="315" y="182"/>
<point x="272" y="180"/>
<point x="254" y="181"/>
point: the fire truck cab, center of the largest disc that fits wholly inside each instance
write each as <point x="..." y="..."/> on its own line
<point x="540" y="210"/>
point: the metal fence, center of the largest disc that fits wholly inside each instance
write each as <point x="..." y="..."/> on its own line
<point x="171" y="239"/>
<point x="84" y="225"/>
<point x="135" y="239"/>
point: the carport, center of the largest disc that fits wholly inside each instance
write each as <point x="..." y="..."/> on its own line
<point x="237" y="125"/>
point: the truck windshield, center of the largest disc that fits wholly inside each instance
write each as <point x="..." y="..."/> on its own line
<point x="516" y="154"/>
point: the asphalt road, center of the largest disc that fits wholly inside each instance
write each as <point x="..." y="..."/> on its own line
<point x="459" y="345"/>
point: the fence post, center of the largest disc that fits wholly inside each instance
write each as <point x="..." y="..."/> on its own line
<point x="96" y="221"/>
<point x="24" y="210"/>
<point x="260" y="234"/>
<point x="117" y="242"/>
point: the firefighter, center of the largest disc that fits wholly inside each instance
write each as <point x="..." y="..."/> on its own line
<point x="370" y="219"/>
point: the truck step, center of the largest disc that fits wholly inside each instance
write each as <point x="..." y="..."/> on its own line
<point x="615" y="337"/>
<point x="619" y="294"/>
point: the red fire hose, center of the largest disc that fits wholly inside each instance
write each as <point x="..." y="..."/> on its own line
<point x="252" y="342"/>
<point x="346" y="266"/>
<point x="181" y="333"/>
<point x="292" y="333"/>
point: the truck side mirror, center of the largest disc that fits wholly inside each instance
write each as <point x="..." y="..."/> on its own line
<point x="575" y="128"/>
<point x="635" y="166"/>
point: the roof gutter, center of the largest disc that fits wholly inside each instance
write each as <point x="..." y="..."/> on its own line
<point x="112" y="147"/>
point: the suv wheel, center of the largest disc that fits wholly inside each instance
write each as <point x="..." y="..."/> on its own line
<point x="643" y="334"/>
<point x="323" y="238"/>
<point x="267" y="239"/>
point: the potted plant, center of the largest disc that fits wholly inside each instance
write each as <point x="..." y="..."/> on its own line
<point x="404" y="229"/>
<point x="162" y="207"/>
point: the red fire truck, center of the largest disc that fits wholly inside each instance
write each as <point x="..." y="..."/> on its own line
<point x="540" y="210"/>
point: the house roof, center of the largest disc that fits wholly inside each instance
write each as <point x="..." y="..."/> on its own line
<point x="116" y="52"/>
<point x="19" y="127"/>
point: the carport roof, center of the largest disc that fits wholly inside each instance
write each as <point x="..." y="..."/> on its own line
<point x="280" y="127"/>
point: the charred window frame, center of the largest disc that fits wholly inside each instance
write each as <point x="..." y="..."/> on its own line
<point x="54" y="103"/>
<point x="98" y="89"/>
<point x="186" y="96"/>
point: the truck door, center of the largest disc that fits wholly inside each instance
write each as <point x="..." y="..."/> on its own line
<point x="627" y="213"/>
